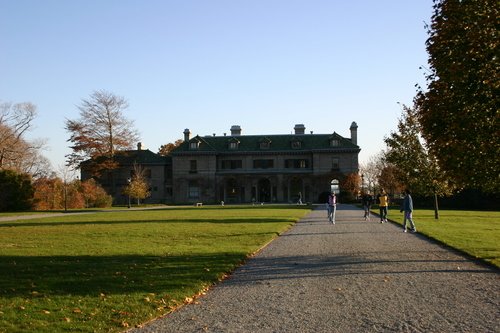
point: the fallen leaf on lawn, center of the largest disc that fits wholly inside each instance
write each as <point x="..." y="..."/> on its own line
<point x="66" y="319"/>
<point x="77" y="310"/>
<point x="46" y="311"/>
<point x="21" y="307"/>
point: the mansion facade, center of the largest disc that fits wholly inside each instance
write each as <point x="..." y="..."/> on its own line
<point x="236" y="168"/>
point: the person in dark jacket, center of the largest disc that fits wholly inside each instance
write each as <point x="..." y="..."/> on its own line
<point x="408" y="210"/>
<point x="367" y="201"/>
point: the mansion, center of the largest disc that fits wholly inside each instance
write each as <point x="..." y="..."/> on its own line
<point x="237" y="168"/>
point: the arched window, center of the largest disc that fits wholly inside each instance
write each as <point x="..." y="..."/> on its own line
<point x="334" y="186"/>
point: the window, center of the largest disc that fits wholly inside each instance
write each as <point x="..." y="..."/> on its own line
<point x="193" y="190"/>
<point x="334" y="142"/>
<point x="265" y="143"/>
<point x="231" y="164"/>
<point x="194" y="145"/>
<point x="169" y="191"/>
<point x="263" y="164"/>
<point x="335" y="163"/>
<point x="297" y="164"/>
<point x="147" y="173"/>
<point x="193" y="166"/>
<point x="233" y="144"/>
<point x="296" y="144"/>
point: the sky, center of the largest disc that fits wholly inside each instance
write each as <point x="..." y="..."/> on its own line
<point x="206" y="65"/>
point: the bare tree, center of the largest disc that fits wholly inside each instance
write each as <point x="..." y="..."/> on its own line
<point x="371" y="171"/>
<point x="16" y="152"/>
<point x="101" y="130"/>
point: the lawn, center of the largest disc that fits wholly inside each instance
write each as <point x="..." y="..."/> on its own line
<point x="104" y="272"/>
<point x="476" y="233"/>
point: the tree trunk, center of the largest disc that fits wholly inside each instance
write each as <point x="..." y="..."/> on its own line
<point x="436" y="208"/>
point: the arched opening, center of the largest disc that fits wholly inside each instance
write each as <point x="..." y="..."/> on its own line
<point x="264" y="193"/>
<point x="232" y="191"/>
<point x="334" y="186"/>
<point x="296" y="189"/>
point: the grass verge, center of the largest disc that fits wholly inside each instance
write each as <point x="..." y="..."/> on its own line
<point x="105" y="272"/>
<point x="476" y="233"/>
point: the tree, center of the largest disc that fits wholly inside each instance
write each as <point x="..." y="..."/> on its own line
<point x="17" y="153"/>
<point x="101" y="130"/>
<point x="371" y="171"/>
<point x="416" y="167"/>
<point x="138" y="186"/>
<point x="56" y="193"/>
<point x="350" y="185"/>
<point x="459" y="112"/>
<point x="388" y="179"/>
<point x="94" y="195"/>
<point x="16" y="191"/>
<point x="167" y="148"/>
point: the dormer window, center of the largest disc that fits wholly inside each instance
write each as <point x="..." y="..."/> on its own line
<point x="234" y="144"/>
<point x="296" y="144"/>
<point x="195" y="144"/>
<point x="334" y="142"/>
<point x="265" y="143"/>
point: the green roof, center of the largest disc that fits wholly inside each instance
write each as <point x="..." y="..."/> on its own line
<point x="277" y="143"/>
<point x="140" y="156"/>
<point x="143" y="157"/>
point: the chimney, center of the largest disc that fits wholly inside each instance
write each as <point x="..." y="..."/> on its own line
<point x="235" y="130"/>
<point x="354" y="133"/>
<point x="299" y="129"/>
<point x="187" y="135"/>
<point x="139" y="146"/>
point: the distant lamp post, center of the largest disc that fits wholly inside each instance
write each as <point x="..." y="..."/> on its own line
<point x="362" y="182"/>
<point x="128" y="192"/>
<point x="65" y="195"/>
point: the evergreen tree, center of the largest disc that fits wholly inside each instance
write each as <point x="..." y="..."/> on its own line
<point x="16" y="191"/>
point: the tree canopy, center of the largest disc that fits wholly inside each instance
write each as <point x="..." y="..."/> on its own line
<point x="101" y="130"/>
<point x="16" y="191"/>
<point x="459" y="111"/>
<point x="138" y="187"/>
<point x="167" y="148"/>
<point x="16" y="152"/>
<point x="416" y="167"/>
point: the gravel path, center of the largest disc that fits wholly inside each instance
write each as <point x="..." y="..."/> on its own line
<point x="354" y="276"/>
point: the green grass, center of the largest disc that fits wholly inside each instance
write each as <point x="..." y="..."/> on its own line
<point x="104" y="272"/>
<point x="476" y="233"/>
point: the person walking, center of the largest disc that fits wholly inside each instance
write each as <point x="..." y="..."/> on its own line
<point x="408" y="210"/>
<point x="383" y="204"/>
<point x="332" y="207"/>
<point x="367" y="201"/>
<point x="299" y="201"/>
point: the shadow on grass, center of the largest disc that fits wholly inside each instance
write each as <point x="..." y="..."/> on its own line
<point x="47" y="276"/>
<point x="11" y="224"/>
